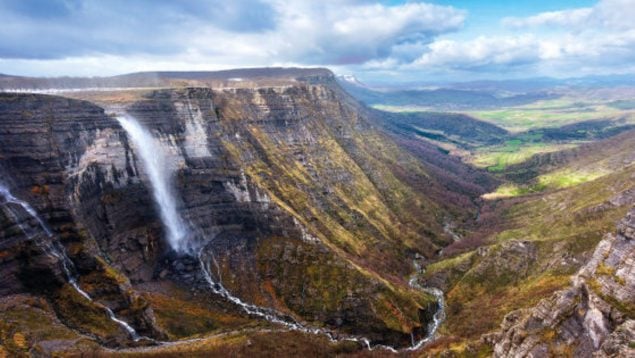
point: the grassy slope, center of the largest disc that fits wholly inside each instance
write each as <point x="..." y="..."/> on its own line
<point x="537" y="128"/>
<point x="247" y="344"/>
<point x="348" y="188"/>
<point x="569" y="168"/>
<point x="559" y="226"/>
<point x="479" y="294"/>
<point x="514" y="151"/>
<point x="374" y="220"/>
<point x="562" y="227"/>
<point x="545" y="114"/>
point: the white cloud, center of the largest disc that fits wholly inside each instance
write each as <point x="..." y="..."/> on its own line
<point x="615" y="14"/>
<point x="479" y="52"/>
<point x="607" y="14"/>
<point x="573" y="17"/>
<point x="601" y="38"/>
<point x="305" y="32"/>
<point x="352" y="32"/>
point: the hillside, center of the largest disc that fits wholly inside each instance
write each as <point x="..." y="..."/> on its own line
<point x="563" y="181"/>
<point x="539" y="241"/>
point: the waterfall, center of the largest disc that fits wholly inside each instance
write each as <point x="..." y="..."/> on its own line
<point x="438" y="316"/>
<point x="56" y="250"/>
<point x="155" y="163"/>
<point x="9" y="198"/>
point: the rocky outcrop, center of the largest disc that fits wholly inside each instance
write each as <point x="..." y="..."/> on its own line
<point x="594" y="317"/>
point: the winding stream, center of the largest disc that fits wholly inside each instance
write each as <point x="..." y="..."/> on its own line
<point x="279" y="318"/>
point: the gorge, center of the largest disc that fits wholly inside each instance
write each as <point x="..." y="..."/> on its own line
<point x="195" y="214"/>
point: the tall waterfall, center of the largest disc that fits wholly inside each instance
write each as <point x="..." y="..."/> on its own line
<point x="156" y="166"/>
<point x="56" y="250"/>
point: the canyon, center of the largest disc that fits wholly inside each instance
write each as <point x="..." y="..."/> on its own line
<point x="235" y="212"/>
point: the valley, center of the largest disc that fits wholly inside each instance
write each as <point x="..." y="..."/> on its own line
<point x="354" y="178"/>
<point x="566" y="176"/>
<point x="243" y="211"/>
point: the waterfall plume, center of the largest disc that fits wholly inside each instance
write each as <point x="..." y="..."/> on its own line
<point x="155" y="163"/>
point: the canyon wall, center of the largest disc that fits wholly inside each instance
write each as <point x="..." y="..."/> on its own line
<point x="303" y="206"/>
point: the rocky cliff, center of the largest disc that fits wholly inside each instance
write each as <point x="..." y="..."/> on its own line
<point x="593" y="317"/>
<point x="43" y="138"/>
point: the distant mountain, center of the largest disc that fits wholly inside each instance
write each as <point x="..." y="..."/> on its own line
<point x="351" y="79"/>
<point x="516" y="86"/>
<point x="441" y="98"/>
<point x="168" y="78"/>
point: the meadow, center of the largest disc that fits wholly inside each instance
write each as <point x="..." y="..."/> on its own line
<point x="497" y="158"/>
<point x="547" y="114"/>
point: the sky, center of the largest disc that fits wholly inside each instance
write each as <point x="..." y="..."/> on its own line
<point x="377" y="41"/>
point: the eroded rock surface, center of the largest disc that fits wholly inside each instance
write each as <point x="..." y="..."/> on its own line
<point x="594" y="317"/>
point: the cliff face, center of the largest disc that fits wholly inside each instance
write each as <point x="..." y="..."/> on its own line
<point x="42" y="140"/>
<point x="304" y="207"/>
<point x="594" y="317"/>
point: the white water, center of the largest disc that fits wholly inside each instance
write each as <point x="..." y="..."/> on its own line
<point x="9" y="198"/>
<point x="439" y="315"/>
<point x="273" y="316"/>
<point x="57" y="251"/>
<point x="154" y="160"/>
<point x="155" y="164"/>
<point x="146" y="145"/>
<point x="276" y="317"/>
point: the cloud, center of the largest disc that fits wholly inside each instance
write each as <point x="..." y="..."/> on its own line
<point x="573" y="17"/>
<point x="52" y="29"/>
<point x="105" y="37"/>
<point x="600" y="39"/>
<point x="261" y="31"/>
<point x="562" y="54"/>
<point x="481" y="52"/>
<point x="353" y="33"/>
<point x="607" y="14"/>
